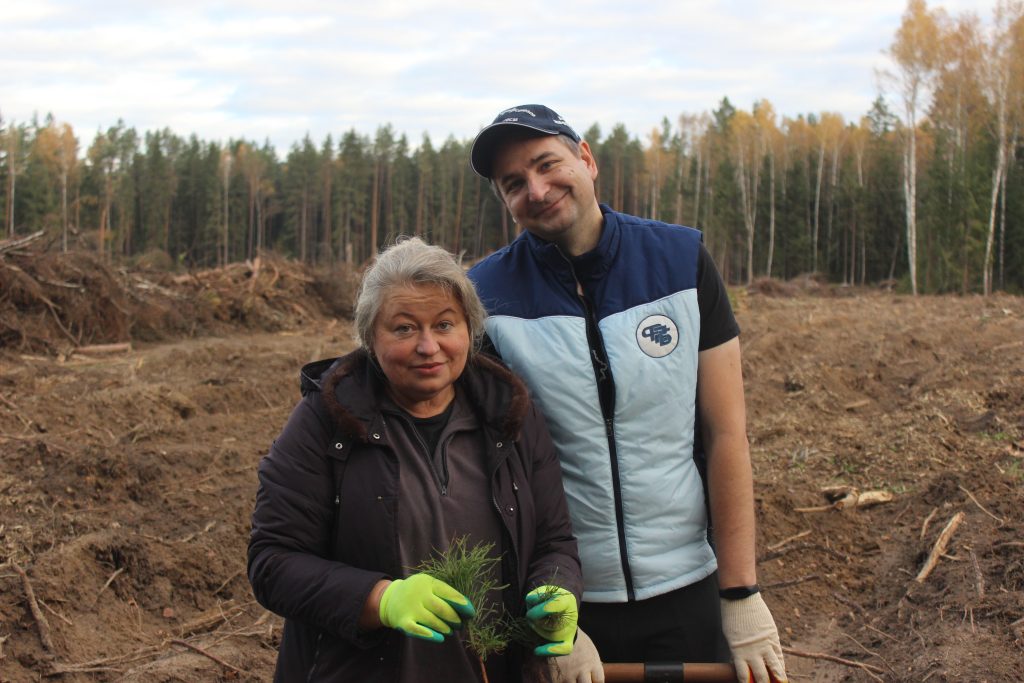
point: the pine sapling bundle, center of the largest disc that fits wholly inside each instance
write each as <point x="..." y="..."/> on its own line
<point x="473" y="572"/>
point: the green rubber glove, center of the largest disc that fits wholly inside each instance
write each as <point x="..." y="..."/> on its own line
<point x="552" y="613"/>
<point x="423" y="607"/>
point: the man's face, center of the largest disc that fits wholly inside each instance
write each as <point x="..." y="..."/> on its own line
<point x="548" y="189"/>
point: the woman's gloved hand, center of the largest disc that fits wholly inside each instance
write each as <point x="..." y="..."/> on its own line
<point x="424" y="607"/>
<point x="582" y="665"/>
<point x="552" y="613"/>
<point x="750" y="629"/>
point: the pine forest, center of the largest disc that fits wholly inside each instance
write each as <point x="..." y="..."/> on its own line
<point x="924" y="193"/>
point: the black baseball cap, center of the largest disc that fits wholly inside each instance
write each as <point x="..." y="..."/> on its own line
<point x="535" y="117"/>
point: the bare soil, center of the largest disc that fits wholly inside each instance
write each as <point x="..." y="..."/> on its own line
<point x="127" y="481"/>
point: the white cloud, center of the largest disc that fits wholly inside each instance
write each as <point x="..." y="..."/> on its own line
<point x="258" y="69"/>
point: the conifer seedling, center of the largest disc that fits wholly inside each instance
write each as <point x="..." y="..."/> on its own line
<point x="473" y="572"/>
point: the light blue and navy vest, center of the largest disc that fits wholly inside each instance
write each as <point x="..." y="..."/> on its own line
<point x="635" y="493"/>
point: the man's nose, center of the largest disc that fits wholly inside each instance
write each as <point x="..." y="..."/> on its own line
<point x="537" y="188"/>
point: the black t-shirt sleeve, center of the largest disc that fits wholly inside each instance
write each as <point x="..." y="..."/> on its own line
<point x="717" y="323"/>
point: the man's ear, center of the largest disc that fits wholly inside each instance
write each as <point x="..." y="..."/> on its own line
<point x="587" y="155"/>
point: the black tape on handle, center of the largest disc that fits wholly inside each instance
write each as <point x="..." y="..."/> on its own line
<point x="663" y="672"/>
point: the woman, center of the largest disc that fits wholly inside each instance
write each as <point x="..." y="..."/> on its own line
<point x="396" y="449"/>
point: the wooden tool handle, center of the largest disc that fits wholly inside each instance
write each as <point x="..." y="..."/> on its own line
<point x="674" y="672"/>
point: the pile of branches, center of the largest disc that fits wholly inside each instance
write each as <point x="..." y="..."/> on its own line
<point x="49" y="301"/>
<point x="53" y="302"/>
<point x="268" y="292"/>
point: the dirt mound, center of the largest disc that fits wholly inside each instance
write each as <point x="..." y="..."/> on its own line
<point x="56" y="303"/>
<point x="127" y="482"/>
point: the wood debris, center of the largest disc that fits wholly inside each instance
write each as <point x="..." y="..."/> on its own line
<point x="940" y="547"/>
<point x="842" y="497"/>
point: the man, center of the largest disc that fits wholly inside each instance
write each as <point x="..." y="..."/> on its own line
<point x="622" y="328"/>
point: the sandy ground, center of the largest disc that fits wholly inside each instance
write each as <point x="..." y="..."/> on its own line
<point x="127" y="481"/>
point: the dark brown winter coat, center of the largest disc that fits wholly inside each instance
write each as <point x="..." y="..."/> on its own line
<point x="324" y="525"/>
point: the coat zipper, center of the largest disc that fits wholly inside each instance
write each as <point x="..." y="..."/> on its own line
<point x="316" y="657"/>
<point x="514" y="567"/>
<point x="440" y="478"/>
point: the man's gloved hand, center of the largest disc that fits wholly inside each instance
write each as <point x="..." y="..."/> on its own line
<point x="423" y="607"/>
<point x="582" y="665"/>
<point x="552" y="613"/>
<point x="754" y="640"/>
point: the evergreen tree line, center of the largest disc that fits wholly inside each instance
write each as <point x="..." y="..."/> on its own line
<point x="925" y="191"/>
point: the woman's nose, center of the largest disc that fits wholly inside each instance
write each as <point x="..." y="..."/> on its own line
<point x="427" y="345"/>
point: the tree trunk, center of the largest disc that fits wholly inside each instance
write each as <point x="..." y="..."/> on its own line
<point x="227" y="186"/>
<point x="1002" y="219"/>
<point x="375" y="208"/>
<point x="696" y="188"/>
<point x="997" y="179"/>
<point x="833" y="182"/>
<point x="771" y="214"/>
<point x="457" y="237"/>
<point x="680" y="187"/>
<point x="817" y="208"/>
<point x="12" y="178"/>
<point x="328" y="250"/>
<point x="64" y="211"/>
<point x="910" y="200"/>
<point x="421" y="191"/>
<point x="302" y="226"/>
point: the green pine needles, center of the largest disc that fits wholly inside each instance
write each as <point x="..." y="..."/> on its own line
<point x="519" y="629"/>
<point x="474" y="571"/>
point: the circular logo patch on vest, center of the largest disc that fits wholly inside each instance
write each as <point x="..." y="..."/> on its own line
<point x="657" y="336"/>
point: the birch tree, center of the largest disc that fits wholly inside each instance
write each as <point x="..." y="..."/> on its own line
<point x="914" y="53"/>
<point x="1001" y="79"/>
<point x="772" y="146"/>
<point x="747" y="152"/>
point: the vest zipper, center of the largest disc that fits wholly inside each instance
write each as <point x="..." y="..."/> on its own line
<point x="606" y="397"/>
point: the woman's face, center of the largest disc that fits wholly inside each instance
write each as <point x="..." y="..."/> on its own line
<point x="421" y="340"/>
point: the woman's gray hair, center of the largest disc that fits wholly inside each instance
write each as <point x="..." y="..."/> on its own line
<point x="411" y="261"/>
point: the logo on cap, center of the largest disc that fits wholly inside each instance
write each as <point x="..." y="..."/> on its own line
<point x="518" y="109"/>
<point x="657" y="336"/>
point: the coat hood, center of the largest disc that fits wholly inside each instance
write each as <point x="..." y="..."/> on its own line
<point x="353" y="391"/>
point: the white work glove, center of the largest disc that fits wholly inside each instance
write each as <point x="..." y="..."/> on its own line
<point x="582" y="665"/>
<point x="753" y="639"/>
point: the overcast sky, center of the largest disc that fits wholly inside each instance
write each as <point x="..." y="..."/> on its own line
<point x="278" y="69"/>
